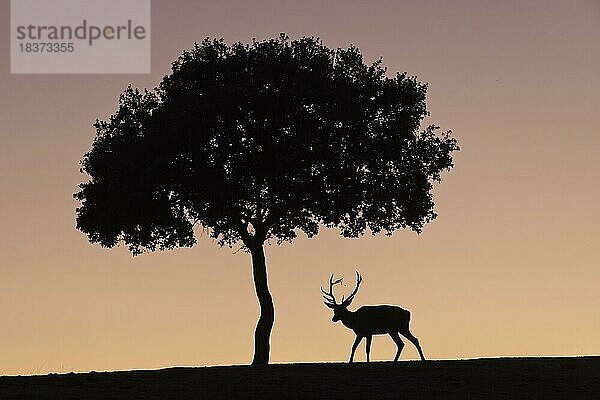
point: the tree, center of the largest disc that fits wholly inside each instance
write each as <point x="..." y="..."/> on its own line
<point x="261" y="141"/>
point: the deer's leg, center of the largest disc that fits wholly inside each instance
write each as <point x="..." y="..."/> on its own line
<point x="354" y="346"/>
<point x="399" y="343"/>
<point x="369" y="338"/>
<point x="414" y="341"/>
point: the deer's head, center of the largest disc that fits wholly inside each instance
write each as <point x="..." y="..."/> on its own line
<point x="339" y="308"/>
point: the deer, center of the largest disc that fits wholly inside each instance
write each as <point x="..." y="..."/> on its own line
<point x="370" y="320"/>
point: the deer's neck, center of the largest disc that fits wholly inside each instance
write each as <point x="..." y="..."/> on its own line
<point x="348" y="319"/>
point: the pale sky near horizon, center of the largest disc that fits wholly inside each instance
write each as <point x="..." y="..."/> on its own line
<point x="509" y="268"/>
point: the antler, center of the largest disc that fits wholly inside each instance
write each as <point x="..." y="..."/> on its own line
<point x="329" y="297"/>
<point x="351" y="297"/>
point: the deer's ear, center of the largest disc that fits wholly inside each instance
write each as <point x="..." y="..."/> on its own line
<point x="329" y="305"/>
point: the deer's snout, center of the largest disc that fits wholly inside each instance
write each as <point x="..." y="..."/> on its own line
<point x="335" y="318"/>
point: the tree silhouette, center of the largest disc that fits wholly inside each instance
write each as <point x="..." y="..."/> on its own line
<point x="260" y="141"/>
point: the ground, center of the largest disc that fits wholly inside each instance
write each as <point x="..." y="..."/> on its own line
<point x="499" y="378"/>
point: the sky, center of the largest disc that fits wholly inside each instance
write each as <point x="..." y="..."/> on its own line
<point x="509" y="268"/>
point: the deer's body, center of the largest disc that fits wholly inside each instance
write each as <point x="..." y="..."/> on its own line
<point x="371" y="320"/>
<point x="376" y="320"/>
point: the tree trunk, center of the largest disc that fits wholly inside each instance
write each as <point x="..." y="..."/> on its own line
<point x="262" y="334"/>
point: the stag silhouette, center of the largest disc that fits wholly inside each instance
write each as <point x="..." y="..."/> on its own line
<point x="371" y="320"/>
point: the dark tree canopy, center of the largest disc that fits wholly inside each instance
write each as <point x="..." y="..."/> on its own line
<point x="262" y="140"/>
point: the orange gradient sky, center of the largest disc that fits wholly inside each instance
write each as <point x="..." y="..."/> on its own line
<point x="509" y="268"/>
